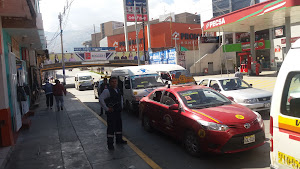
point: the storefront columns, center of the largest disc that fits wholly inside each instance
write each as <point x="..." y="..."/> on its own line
<point x="4" y="104"/>
<point x="234" y="37"/>
<point x="288" y="33"/>
<point x="252" y="42"/>
<point x="272" y="49"/>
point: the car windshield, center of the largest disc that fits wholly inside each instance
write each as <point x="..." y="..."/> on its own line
<point x="146" y="81"/>
<point x="203" y="98"/>
<point x="234" y="84"/>
<point x="85" y="78"/>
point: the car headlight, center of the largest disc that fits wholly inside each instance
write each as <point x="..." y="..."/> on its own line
<point x="213" y="126"/>
<point x="259" y="119"/>
<point x="250" y="101"/>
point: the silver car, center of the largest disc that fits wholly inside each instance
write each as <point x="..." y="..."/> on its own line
<point x="241" y="92"/>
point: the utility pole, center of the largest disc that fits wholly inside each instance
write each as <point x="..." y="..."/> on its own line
<point x="145" y="56"/>
<point x="62" y="49"/>
<point x="137" y="34"/>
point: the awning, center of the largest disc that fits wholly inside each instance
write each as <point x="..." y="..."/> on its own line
<point x="265" y="15"/>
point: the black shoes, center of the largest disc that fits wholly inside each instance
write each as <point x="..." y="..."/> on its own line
<point x="121" y="142"/>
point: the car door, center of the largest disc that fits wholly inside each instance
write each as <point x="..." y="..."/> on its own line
<point x="153" y="108"/>
<point x="169" y="118"/>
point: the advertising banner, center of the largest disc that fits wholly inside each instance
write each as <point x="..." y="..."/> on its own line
<point x="132" y="55"/>
<point x="163" y="57"/>
<point x="141" y="10"/>
<point x="258" y="45"/>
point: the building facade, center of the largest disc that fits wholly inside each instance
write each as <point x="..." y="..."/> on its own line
<point x="21" y="40"/>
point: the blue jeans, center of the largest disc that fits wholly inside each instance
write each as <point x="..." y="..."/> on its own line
<point x="59" y="99"/>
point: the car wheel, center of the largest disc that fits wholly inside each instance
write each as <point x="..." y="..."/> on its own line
<point x="147" y="124"/>
<point x="191" y="143"/>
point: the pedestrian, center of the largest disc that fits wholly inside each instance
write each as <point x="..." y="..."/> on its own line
<point x="103" y="86"/>
<point x="112" y="102"/>
<point x="58" y="91"/>
<point x="56" y="60"/>
<point x="239" y="75"/>
<point x="49" y="94"/>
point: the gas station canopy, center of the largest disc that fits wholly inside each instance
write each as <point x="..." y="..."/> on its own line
<point x="264" y="15"/>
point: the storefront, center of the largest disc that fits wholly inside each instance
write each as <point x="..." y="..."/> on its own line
<point x="252" y="25"/>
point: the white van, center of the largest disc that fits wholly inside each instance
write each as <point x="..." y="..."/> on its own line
<point x="171" y="72"/>
<point x="285" y="113"/>
<point x="84" y="81"/>
<point x="135" y="83"/>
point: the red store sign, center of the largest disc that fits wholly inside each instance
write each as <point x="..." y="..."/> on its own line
<point x="293" y="40"/>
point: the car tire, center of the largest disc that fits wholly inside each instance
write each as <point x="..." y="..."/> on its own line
<point x="147" y="124"/>
<point x="191" y="143"/>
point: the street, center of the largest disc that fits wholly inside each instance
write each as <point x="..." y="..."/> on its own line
<point x="168" y="153"/>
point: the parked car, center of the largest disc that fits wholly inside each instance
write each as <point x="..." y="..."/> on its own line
<point x="97" y="88"/>
<point x="203" y="119"/>
<point x="241" y="92"/>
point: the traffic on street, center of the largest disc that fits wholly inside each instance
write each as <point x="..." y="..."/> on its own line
<point x="140" y="84"/>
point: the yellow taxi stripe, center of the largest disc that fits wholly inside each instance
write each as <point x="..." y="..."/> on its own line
<point x="147" y="159"/>
<point x="289" y="124"/>
<point x="206" y="116"/>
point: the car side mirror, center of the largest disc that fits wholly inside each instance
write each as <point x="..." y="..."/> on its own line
<point x="174" y="107"/>
<point x="230" y="98"/>
<point x="251" y="85"/>
<point x="93" y="78"/>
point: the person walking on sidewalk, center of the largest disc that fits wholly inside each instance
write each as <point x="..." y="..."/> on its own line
<point x="49" y="94"/>
<point x="112" y="102"/>
<point x="58" y="91"/>
<point x="103" y="86"/>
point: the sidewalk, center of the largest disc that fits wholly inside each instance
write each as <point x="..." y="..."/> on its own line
<point x="72" y="138"/>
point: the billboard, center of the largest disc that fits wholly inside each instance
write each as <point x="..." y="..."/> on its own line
<point x="141" y="10"/>
<point x="163" y="57"/>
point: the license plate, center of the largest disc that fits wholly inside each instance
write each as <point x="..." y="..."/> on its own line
<point x="268" y="105"/>
<point x="249" y="139"/>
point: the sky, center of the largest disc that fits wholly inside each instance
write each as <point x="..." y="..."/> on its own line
<point x="83" y="14"/>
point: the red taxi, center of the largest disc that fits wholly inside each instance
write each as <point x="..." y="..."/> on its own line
<point x="203" y="119"/>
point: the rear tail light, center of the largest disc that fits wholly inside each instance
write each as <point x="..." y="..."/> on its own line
<point x="271" y="132"/>
<point x="271" y="125"/>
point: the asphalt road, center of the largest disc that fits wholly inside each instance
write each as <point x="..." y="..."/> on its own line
<point x="168" y="153"/>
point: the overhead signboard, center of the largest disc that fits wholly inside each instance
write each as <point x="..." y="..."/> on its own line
<point x="258" y="45"/>
<point x="94" y="49"/>
<point x="141" y="10"/>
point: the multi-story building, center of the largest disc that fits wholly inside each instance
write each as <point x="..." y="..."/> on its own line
<point x="106" y="29"/>
<point x="21" y="40"/>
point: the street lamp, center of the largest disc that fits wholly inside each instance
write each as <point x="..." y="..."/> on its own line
<point x="175" y="42"/>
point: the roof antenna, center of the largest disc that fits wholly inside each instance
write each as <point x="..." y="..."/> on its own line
<point x="169" y="85"/>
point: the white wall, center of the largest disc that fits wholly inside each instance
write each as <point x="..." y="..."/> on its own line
<point x="4" y="103"/>
<point x="295" y="32"/>
<point x="204" y="49"/>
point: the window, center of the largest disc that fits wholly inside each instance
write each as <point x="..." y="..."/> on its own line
<point x="290" y="104"/>
<point x="156" y="96"/>
<point x="169" y="99"/>
<point x="214" y="84"/>
<point x="234" y="84"/>
<point x="204" y="82"/>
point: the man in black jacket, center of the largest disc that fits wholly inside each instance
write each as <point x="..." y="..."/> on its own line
<point x="112" y="102"/>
